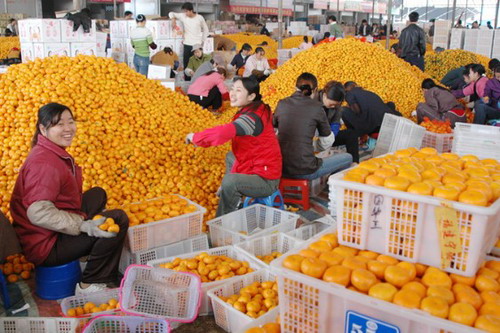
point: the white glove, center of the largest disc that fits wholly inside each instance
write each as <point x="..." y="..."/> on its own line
<point x="414" y="113"/>
<point x="267" y="72"/>
<point x="189" y="138"/>
<point x="189" y="72"/>
<point x="91" y="228"/>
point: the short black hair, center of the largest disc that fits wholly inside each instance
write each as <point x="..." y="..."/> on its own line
<point x="478" y="68"/>
<point x="332" y="17"/>
<point x="306" y="83"/>
<point x="364" y="21"/>
<point x="259" y="49"/>
<point x="12" y="20"/>
<point x="493" y="63"/>
<point x="246" y="47"/>
<point x="432" y="20"/>
<point x="413" y="16"/>
<point x="187" y="6"/>
<point x="350" y="84"/>
<point x="140" y="18"/>
<point x="127" y="13"/>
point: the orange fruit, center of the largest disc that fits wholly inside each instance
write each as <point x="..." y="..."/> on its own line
<point x="332" y="239"/>
<point x="412" y="175"/>
<point x="387" y="259"/>
<point x="407" y="298"/>
<point x="313" y="267"/>
<point x="369" y="165"/>
<point x="470" y="296"/>
<point x="320" y="246"/>
<point x="429" y="151"/>
<point x="374" y="180"/>
<point x="486" y="283"/>
<point x="488" y="323"/>
<point x="331" y="258"/>
<point x="308" y="253"/>
<point x="338" y="274"/>
<point x="420" y="188"/>
<point x="293" y="262"/>
<point x="493" y="265"/>
<point x="453" y="177"/>
<point x="115" y="228"/>
<point x="368" y="254"/>
<point x="18" y="268"/>
<point x="436" y="306"/>
<point x="436" y="278"/>
<point x="467" y="158"/>
<point x="463" y="313"/>
<point x="71" y="312"/>
<point x="447" y="193"/>
<point x="272" y="328"/>
<point x="488" y="272"/>
<point x="490" y="296"/>
<point x="397" y="276"/>
<point x="442" y="292"/>
<point x="492" y="308"/>
<point x="397" y="183"/>
<point x="25" y="275"/>
<point x="432" y="174"/>
<point x="483" y="187"/>
<point x="353" y="263"/>
<point x="377" y="267"/>
<point x="12" y="278"/>
<point x="363" y="279"/>
<point x="383" y="291"/>
<point x="410" y="268"/>
<point x="468" y="280"/>
<point x="416" y="287"/>
<point x="345" y="251"/>
<point x="255" y="330"/>
<point x="473" y="197"/>
<point x="384" y="173"/>
<point x="420" y="269"/>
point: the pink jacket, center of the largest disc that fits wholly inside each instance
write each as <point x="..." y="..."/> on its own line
<point x="205" y="83"/>
<point x="480" y="86"/>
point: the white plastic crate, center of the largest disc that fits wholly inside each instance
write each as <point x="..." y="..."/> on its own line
<point x="307" y="231"/>
<point x="147" y="236"/>
<point x="38" y="325"/>
<point x="265" y="245"/>
<point x="403" y="225"/>
<point x="480" y="140"/>
<point x="226" y="316"/>
<point x="442" y="142"/>
<point x="398" y="133"/>
<point x="250" y="222"/>
<point x="117" y="324"/>
<point x="197" y="243"/>
<point x="315" y="306"/>
<point x="159" y="292"/>
<point x="96" y="298"/>
<point x="229" y="251"/>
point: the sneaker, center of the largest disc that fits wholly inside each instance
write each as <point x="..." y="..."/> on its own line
<point x="93" y="288"/>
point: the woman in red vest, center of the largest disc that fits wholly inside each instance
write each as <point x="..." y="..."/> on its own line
<point x="52" y="218"/>
<point x="253" y="169"/>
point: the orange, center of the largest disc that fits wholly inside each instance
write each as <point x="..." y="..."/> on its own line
<point x="458" y="186"/>
<point x="429" y="151"/>
<point x="420" y="269"/>
<point x="253" y="306"/>
<point x="468" y="280"/>
<point x="488" y="323"/>
<point x="442" y="292"/>
<point x="363" y="279"/>
<point x="353" y="263"/>
<point x="416" y="287"/>
<point x="409" y="267"/>
<point x="473" y="197"/>
<point x="407" y="298"/>
<point x="115" y="228"/>
<point x="436" y="306"/>
<point x="320" y="246"/>
<point x="467" y="158"/>
<point x="313" y="267"/>
<point x="420" y="188"/>
<point x="453" y="177"/>
<point x="477" y="172"/>
<point x="490" y="308"/>
<point x="397" y="183"/>
<point x="397" y="276"/>
<point x="272" y="328"/>
<point x="12" y="278"/>
<point x="293" y="262"/>
<point x="489" y="161"/>
<point x="486" y="283"/>
<point x="384" y="173"/>
<point x="387" y="259"/>
<point x="383" y="291"/>
<point x="470" y="296"/>
<point x="377" y="267"/>
<point x="369" y="165"/>
<point x="481" y="187"/>
<point x="331" y="258"/>
<point x="354" y="177"/>
<point x="71" y="312"/>
<point x="368" y="254"/>
<point x="375" y="180"/>
<point x="490" y="296"/>
<point x="436" y="278"/>
<point x="25" y="275"/>
<point x="338" y="274"/>
<point x="488" y="272"/>
<point x="332" y="239"/>
<point x="446" y="193"/>
<point x="433" y="183"/>
<point x="463" y="313"/>
<point x="412" y="175"/>
<point x="493" y="265"/>
<point x="432" y="174"/>
<point x="345" y="251"/>
<point x="308" y="253"/>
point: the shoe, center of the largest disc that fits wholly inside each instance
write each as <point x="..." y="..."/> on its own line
<point x="93" y="288"/>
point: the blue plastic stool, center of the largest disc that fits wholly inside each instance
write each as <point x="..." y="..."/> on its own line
<point x="57" y="282"/>
<point x="4" y="292"/>
<point x="268" y="201"/>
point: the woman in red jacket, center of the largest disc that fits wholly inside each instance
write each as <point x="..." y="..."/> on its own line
<point x="254" y="166"/>
<point x="52" y="218"/>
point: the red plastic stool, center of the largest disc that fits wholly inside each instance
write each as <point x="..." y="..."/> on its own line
<point x="303" y="190"/>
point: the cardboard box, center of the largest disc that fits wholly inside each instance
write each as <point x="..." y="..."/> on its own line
<point x="118" y="45"/>
<point x="168" y="83"/>
<point x="43" y="50"/>
<point x="208" y="46"/>
<point x="156" y="72"/>
<point x="102" y="40"/>
<point x="67" y="33"/>
<point x="119" y="56"/>
<point x="91" y="36"/>
<point x="83" y="48"/>
<point x="27" y="52"/>
<point x="174" y="44"/>
<point x="119" y="29"/>
<point x="23" y="31"/>
<point x="160" y="29"/>
<point x="41" y="30"/>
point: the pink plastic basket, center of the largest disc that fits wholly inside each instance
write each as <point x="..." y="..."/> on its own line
<point x="160" y="292"/>
<point x="118" y="324"/>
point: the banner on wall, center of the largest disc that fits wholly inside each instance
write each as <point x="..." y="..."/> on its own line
<point x="320" y="4"/>
<point x="242" y="10"/>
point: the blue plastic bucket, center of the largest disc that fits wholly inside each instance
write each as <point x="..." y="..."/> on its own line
<point x="57" y="282"/>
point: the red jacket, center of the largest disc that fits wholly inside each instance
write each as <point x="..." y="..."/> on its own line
<point x="50" y="174"/>
<point x="255" y="155"/>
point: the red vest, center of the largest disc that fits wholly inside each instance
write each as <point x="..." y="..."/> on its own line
<point x="258" y="155"/>
<point x="49" y="173"/>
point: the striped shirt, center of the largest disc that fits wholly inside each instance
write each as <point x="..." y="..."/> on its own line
<point x="141" y="38"/>
<point x="248" y="124"/>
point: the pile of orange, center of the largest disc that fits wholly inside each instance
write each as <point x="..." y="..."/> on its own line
<point x="256" y="299"/>
<point x="129" y="142"/>
<point x="437" y="126"/>
<point x="210" y="267"/>
<point x="16" y="266"/>
<point x="109" y="224"/>
<point x="7" y="44"/>
<point x="90" y="307"/>
<point x="472" y="301"/>
<point x="157" y="209"/>
<point x="447" y="176"/>
<point x="270" y="257"/>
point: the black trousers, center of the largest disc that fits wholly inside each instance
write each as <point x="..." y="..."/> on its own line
<point x="350" y="139"/>
<point x="186" y="54"/>
<point x="103" y="253"/>
<point x="214" y="99"/>
<point x="416" y="61"/>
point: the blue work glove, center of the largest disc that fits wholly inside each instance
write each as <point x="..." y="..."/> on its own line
<point x="335" y="128"/>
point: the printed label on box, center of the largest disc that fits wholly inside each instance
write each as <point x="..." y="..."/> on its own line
<point x="89" y="36"/>
<point x="44" y="30"/>
<point x="358" y="323"/>
<point x="67" y="33"/>
<point x="160" y="29"/>
<point x="27" y="52"/>
<point x="83" y="48"/>
<point x="24" y="31"/>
